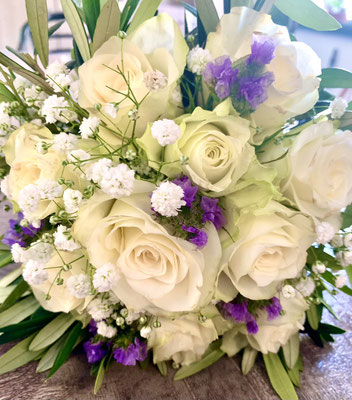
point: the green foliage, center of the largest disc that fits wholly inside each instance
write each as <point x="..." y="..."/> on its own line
<point x="347" y="217"/>
<point x="291" y="351"/>
<point x="208" y="15"/>
<point x="19" y="311"/>
<point x="100" y="376"/>
<point x="308" y="14"/>
<point x="162" y="367"/>
<point x="146" y="10"/>
<point x="48" y="359"/>
<point x="16" y="294"/>
<point x="10" y="277"/>
<point x="248" y="359"/>
<point x="91" y="10"/>
<point x="5" y="255"/>
<point x="336" y="78"/>
<point x="37" y="14"/>
<point x="127" y="13"/>
<point x="6" y="95"/>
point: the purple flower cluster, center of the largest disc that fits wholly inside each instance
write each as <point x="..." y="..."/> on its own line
<point x="263" y="50"/>
<point x="136" y="351"/>
<point x="199" y="238"/>
<point x="17" y="233"/>
<point x="274" y="309"/>
<point x="212" y="212"/>
<point x="254" y="89"/>
<point x="221" y="75"/>
<point x="94" y="351"/>
<point x="190" y="192"/>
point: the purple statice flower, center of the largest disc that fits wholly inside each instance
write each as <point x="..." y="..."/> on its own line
<point x="92" y="327"/>
<point x="212" y="212"/>
<point x="263" y="50"/>
<point x="136" y="351"/>
<point x="254" y="89"/>
<point x="274" y="309"/>
<point x="251" y="324"/>
<point x="94" y="351"/>
<point x="17" y="233"/>
<point x="240" y="313"/>
<point x="189" y="191"/>
<point x="200" y="238"/>
<point x="220" y="75"/>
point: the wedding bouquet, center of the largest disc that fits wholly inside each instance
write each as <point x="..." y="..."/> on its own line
<point x="177" y="197"/>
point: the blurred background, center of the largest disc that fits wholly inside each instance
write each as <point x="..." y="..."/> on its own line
<point x="334" y="48"/>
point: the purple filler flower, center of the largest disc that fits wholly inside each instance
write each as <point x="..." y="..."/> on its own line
<point x="200" y="238"/>
<point x="136" y="351"/>
<point x="251" y="324"/>
<point x="274" y="309"/>
<point x="263" y="50"/>
<point x="92" y="327"/>
<point x="189" y="191"/>
<point x="94" y="351"/>
<point x="212" y="212"/>
<point x="236" y="311"/>
<point x="254" y="89"/>
<point x="17" y="233"/>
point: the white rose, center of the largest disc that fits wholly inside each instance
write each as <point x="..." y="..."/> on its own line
<point x="158" y="272"/>
<point x="296" y="67"/>
<point x="271" y="246"/>
<point x="272" y="334"/>
<point x="184" y="340"/>
<point x="320" y="172"/>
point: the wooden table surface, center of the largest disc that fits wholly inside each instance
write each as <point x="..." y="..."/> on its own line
<point x="327" y="375"/>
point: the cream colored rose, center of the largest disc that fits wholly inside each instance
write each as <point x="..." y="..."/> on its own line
<point x="159" y="272"/>
<point x="216" y="144"/>
<point x="183" y="340"/>
<point x="156" y="45"/>
<point x="320" y="171"/>
<point x="296" y="66"/>
<point x="61" y="299"/>
<point x="271" y="334"/>
<point x="270" y="247"/>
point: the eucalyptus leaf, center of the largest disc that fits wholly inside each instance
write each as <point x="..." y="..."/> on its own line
<point x="332" y="78"/>
<point x="91" y="9"/>
<point x="100" y="376"/>
<point x="208" y="15"/>
<point x="4" y="292"/>
<point x="205" y="362"/>
<point x="17" y="356"/>
<point x="6" y="95"/>
<point x="37" y="14"/>
<point x="291" y="351"/>
<point x="16" y="294"/>
<point x="308" y="14"/>
<point x="19" y="311"/>
<point x="278" y="377"/>
<point x="146" y="10"/>
<point x="49" y="357"/>
<point x="108" y="24"/>
<point x="5" y="256"/>
<point x="75" y="23"/>
<point x="349" y="273"/>
<point x="162" y="367"/>
<point x="313" y="316"/>
<point x="51" y="332"/>
<point x="10" y="277"/>
<point x="248" y="359"/>
<point x="55" y="27"/>
<point x="294" y="375"/>
<point x="127" y="13"/>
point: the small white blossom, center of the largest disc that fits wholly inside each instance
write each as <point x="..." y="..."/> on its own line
<point x="78" y="155"/>
<point x="65" y="142"/>
<point x="29" y="198"/>
<point x="319" y="267"/>
<point x="166" y="131"/>
<point x="6" y="121"/>
<point x="106" y="330"/>
<point x="117" y="181"/>
<point x="19" y="254"/>
<point x="21" y="84"/>
<point x="340" y="281"/>
<point x="288" y="291"/>
<point x="176" y="96"/>
<point x="345" y="257"/>
<point x="338" y="107"/>
<point x="63" y="239"/>
<point x="34" y="96"/>
<point x="145" y="332"/>
<point x="58" y="75"/>
<point x="305" y="287"/>
<point x="49" y="189"/>
<point x="88" y="127"/>
<point x="347" y="240"/>
<point x="111" y="109"/>
<point x="72" y="200"/>
<point x="97" y="170"/>
<point x="78" y="285"/>
<point x="337" y="241"/>
<point x="4" y="186"/>
<point x="34" y="273"/>
<point x="40" y="252"/>
<point x="132" y="316"/>
<point x="133" y="115"/>
<point x="100" y="309"/>
<point x="167" y="199"/>
<point x="198" y="59"/>
<point x="155" y="80"/>
<point x="105" y="278"/>
<point x="325" y="232"/>
<point x="57" y="109"/>
<point x="41" y="147"/>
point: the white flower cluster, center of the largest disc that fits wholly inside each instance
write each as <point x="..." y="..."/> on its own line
<point x="7" y="123"/>
<point x="58" y="76"/>
<point x="63" y="239"/>
<point x="106" y="330"/>
<point x="198" y="59"/>
<point x="34" y="273"/>
<point x="105" y="278"/>
<point x="72" y="200"/>
<point x="100" y="309"/>
<point x="111" y="109"/>
<point x="155" y="80"/>
<point x="115" y="181"/>
<point x="65" y="142"/>
<point x="325" y="232"/>
<point x="78" y="285"/>
<point x="88" y="127"/>
<point x="57" y="109"/>
<point x="78" y="155"/>
<point x="338" y="107"/>
<point x="165" y="131"/>
<point x="167" y="199"/>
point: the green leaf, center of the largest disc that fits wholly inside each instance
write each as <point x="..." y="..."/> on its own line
<point x="279" y="378"/>
<point x="4" y="292"/>
<point x="5" y="94"/>
<point x="313" y="316"/>
<point x="208" y="15"/>
<point x="91" y="9"/>
<point x="5" y="256"/>
<point x="327" y="328"/>
<point x="16" y="294"/>
<point x="243" y="3"/>
<point x="294" y="374"/>
<point x="66" y="348"/>
<point x="49" y="357"/>
<point x="336" y="78"/>
<point x="55" y="27"/>
<point x="108" y="24"/>
<point x="291" y="351"/>
<point x="75" y="23"/>
<point x="10" y="277"/>
<point x="349" y="273"/>
<point x="19" y="311"/>
<point x="100" y="376"/>
<point x="17" y="356"/>
<point x="162" y="367"/>
<point x="37" y="14"/>
<point x="189" y="8"/>
<point x="347" y="217"/>
<point x="248" y="359"/>
<point x="205" y="362"/>
<point x="146" y="10"/>
<point x="308" y="14"/>
<point x="127" y="13"/>
<point x="51" y="332"/>
<point x="318" y="253"/>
